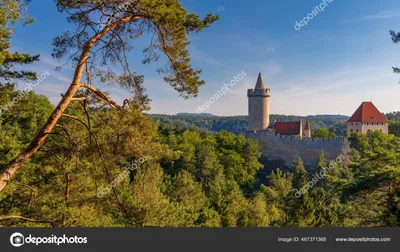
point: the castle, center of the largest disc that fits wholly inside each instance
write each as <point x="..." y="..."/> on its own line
<point x="283" y="142"/>
<point x="259" y="100"/>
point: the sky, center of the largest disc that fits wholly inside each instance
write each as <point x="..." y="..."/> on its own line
<point x="343" y="56"/>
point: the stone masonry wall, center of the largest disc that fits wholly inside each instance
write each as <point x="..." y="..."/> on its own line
<point x="286" y="149"/>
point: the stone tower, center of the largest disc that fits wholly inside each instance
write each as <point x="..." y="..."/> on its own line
<point x="258" y="106"/>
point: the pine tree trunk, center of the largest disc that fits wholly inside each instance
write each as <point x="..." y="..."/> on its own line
<point x="33" y="147"/>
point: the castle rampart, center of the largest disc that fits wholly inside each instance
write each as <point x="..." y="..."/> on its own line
<point x="286" y="149"/>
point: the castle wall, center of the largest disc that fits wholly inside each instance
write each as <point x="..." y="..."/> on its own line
<point x="286" y="149"/>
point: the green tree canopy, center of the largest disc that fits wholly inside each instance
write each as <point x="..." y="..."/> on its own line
<point x="322" y="133"/>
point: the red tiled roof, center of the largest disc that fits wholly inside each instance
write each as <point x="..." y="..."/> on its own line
<point x="307" y="127"/>
<point x="367" y="112"/>
<point x="286" y="127"/>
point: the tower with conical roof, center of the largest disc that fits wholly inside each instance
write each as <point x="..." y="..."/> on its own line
<point x="307" y="130"/>
<point x="259" y="106"/>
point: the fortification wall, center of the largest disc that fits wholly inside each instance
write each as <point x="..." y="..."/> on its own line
<point x="286" y="149"/>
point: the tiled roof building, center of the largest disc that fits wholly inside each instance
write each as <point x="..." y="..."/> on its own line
<point x="287" y="128"/>
<point x="367" y="117"/>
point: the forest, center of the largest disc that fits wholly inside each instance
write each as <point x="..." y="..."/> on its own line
<point x="185" y="178"/>
<point x="238" y="124"/>
<point x="336" y="125"/>
<point x="91" y="162"/>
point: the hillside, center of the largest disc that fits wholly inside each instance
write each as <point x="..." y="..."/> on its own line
<point x="238" y="124"/>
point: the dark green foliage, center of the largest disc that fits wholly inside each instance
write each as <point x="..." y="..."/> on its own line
<point x="375" y="163"/>
<point x="186" y="178"/>
<point x="19" y="122"/>
<point x="394" y="123"/>
<point x="323" y="133"/>
<point x="393" y="116"/>
<point x="12" y="12"/>
<point x="394" y="128"/>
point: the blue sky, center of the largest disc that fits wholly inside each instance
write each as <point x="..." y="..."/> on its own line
<point x="342" y="57"/>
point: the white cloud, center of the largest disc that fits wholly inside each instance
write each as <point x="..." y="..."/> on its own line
<point x="380" y="15"/>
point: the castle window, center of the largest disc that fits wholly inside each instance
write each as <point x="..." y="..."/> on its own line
<point x="351" y="124"/>
<point x="356" y="130"/>
<point x="351" y="131"/>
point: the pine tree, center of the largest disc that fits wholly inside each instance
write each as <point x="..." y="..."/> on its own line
<point x="278" y="195"/>
<point x="11" y="13"/>
<point x="168" y="21"/>
<point x="375" y="163"/>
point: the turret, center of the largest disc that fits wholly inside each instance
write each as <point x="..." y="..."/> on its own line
<point x="307" y="130"/>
